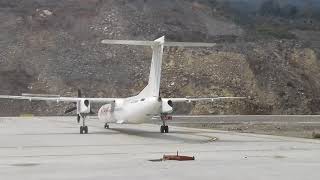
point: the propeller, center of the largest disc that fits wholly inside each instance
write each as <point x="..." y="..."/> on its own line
<point x="79" y="93"/>
<point x="78" y="118"/>
<point x="74" y="108"/>
<point x="69" y="110"/>
<point x="159" y="97"/>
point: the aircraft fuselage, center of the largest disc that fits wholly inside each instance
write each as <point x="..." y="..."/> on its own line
<point x="130" y="110"/>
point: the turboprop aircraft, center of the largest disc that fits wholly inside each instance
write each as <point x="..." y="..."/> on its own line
<point x="136" y="109"/>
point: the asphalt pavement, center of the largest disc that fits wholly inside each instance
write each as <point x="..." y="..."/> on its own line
<point x="52" y="148"/>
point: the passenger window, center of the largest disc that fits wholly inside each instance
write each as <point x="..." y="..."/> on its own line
<point x="142" y="99"/>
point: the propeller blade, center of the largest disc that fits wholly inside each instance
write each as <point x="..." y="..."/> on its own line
<point x="91" y="112"/>
<point x="78" y="118"/>
<point x="70" y="110"/>
<point x="79" y="93"/>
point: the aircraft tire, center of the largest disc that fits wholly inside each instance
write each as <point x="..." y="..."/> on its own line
<point x="81" y="130"/>
<point x="166" y="129"/>
<point x="106" y="126"/>
<point x="162" y="129"/>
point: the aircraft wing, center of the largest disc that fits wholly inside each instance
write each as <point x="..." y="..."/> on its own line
<point x="58" y="98"/>
<point x="208" y="99"/>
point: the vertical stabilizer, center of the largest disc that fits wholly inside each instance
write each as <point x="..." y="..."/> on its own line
<point x="153" y="87"/>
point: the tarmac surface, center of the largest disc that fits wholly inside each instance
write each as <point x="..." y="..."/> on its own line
<point x="244" y="119"/>
<point x="52" y="148"/>
<point x="303" y="126"/>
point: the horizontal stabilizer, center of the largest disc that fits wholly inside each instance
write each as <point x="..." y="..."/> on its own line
<point x="129" y="42"/>
<point x="151" y="43"/>
<point x="208" y="99"/>
<point x="39" y="95"/>
<point x="189" y="44"/>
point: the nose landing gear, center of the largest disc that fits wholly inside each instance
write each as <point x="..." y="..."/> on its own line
<point x="106" y="126"/>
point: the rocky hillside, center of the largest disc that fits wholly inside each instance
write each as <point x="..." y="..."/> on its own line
<point x="267" y="50"/>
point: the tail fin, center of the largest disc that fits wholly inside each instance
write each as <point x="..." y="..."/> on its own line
<point x="153" y="87"/>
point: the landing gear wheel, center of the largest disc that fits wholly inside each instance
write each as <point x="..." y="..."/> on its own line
<point x="106" y="126"/>
<point x="166" y="129"/>
<point x="83" y="129"/>
<point x="162" y="129"/>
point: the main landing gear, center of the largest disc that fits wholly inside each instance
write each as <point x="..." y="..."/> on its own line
<point x="165" y="128"/>
<point x="83" y="128"/>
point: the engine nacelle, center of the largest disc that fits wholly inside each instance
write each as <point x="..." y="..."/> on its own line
<point x="83" y="106"/>
<point x="167" y="106"/>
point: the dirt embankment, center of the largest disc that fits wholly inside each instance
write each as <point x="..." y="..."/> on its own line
<point x="54" y="47"/>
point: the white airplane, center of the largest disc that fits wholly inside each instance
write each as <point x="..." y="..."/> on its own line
<point x="136" y="109"/>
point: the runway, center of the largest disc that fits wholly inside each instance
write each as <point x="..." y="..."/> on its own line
<point x="284" y="125"/>
<point x="242" y="119"/>
<point x="52" y="148"/>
